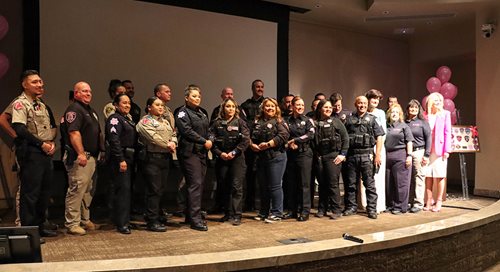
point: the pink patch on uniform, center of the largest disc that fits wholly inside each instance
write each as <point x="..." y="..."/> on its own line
<point x="18" y="105"/>
<point x="145" y="121"/>
<point x="70" y="116"/>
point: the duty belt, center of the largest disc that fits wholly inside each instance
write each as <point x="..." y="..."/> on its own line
<point x="323" y="152"/>
<point x="360" y="151"/>
<point x="158" y="155"/>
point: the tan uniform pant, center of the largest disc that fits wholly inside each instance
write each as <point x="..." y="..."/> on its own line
<point x="81" y="189"/>
<point x="417" y="190"/>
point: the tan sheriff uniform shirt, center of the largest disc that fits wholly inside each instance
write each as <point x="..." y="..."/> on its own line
<point x="34" y="114"/>
<point x="155" y="133"/>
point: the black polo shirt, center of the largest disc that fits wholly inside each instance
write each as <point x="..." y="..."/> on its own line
<point x="81" y="117"/>
<point x="398" y="135"/>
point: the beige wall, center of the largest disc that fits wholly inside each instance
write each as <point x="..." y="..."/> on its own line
<point x="488" y="88"/>
<point x="327" y="59"/>
<point x="454" y="48"/>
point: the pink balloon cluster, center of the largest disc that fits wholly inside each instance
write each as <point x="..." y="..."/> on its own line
<point x="4" y="27"/>
<point x="4" y="61"/>
<point x="440" y="83"/>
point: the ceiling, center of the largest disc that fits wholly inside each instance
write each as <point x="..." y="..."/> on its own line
<point x="398" y="19"/>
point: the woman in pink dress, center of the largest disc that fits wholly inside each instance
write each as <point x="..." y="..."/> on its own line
<point x="440" y="124"/>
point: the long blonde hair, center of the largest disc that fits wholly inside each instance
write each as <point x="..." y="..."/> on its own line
<point x="430" y="103"/>
<point x="262" y="105"/>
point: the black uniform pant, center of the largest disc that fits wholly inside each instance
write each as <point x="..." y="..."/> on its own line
<point x="298" y="171"/>
<point x="356" y="166"/>
<point x="194" y="167"/>
<point x="121" y="192"/>
<point x="230" y="176"/>
<point x="36" y="171"/>
<point x="397" y="178"/>
<point x="155" y="169"/>
<point x="249" y="191"/>
<point x="328" y="174"/>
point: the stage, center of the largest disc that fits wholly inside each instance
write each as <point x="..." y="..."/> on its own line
<point x="315" y="245"/>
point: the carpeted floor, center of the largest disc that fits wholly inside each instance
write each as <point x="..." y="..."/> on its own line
<point x="106" y="243"/>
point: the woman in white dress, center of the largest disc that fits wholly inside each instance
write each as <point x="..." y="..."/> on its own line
<point x="440" y="124"/>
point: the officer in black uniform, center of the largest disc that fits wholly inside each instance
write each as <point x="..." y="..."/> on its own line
<point x="135" y="110"/>
<point x="364" y="133"/>
<point x="250" y="109"/>
<point x="299" y="163"/>
<point x="121" y="138"/>
<point x="338" y="110"/>
<point x="330" y="148"/>
<point x="194" y="142"/>
<point x="231" y="138"/>
<point x="84" y="143"/>
<point x="34" y="149"/>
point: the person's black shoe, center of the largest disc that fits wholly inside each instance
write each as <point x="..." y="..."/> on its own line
<point x="156" y="227"/>
<point x="415" y="209"/>
<point x="349" y="212"/>
<point x="236" y="221"/>
<point x="303" y="217"/>
<point x="289" y="215"/>
<point x="49" y="225"/>
<point x="47" y="233"/>
<point x="124" y="230"/>
<point x="335" y="216"/>
<point x="372" y="215"/>
<point x="225" y="218"/>
<point x="320" y="214"/>
<point x="163" y="220"/>
<point x="396" y="212"/>
<point x="199" y="227"/>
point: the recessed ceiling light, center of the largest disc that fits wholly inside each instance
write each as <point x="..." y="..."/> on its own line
<point x="429" y="22"/>
<point x="404" y="31"/>
<point x="318" y="5"/>
<point x="385" y="12"/>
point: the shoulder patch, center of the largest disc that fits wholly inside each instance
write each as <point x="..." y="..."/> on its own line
<point x="145" y="121"/>
<point x="113" y="121"/>
<point x="70" y="116"/>
<point x="181" y="114"/>
<point x="18" y="105"/>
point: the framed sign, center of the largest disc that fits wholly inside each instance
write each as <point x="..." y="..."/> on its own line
<point x="464" y="139"/>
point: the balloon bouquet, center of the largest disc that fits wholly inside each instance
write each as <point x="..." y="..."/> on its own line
<point x="4" y="61"/>
<point x="440" y="83"/>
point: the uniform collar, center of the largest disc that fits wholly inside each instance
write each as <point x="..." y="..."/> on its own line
<point x="28" y="97"/>
<point x="154" y="117"/>
<point x="87" y="106"/>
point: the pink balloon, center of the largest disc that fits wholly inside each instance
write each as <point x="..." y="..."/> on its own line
<point x="449" y="105"/>
<point x="4" y="65"/>
<point x="433" y="84"/>
<point x="4" y="27"/>
<point x="453" y="117"/>
<point x="444" y="74"/>
<point x="424" y="102"/>
<point x="448" y="90"/>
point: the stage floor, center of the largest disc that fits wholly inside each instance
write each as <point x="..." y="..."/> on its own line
<point x="179" y="239"/>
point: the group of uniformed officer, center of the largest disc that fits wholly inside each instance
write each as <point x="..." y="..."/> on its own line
<point x="228" y="139"/>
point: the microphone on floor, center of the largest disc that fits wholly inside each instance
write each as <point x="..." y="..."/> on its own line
<point x="349" y="237"/>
